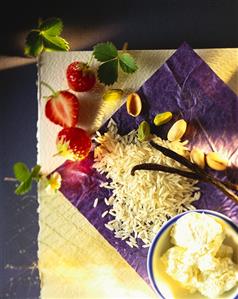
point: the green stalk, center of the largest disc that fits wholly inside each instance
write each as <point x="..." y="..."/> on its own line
<point x="49" y="87"/>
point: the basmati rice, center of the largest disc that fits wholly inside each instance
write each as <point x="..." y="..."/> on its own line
<point x="104" y="214"/>
<point x="140" y="204"/>
<point x="95" y="203"/>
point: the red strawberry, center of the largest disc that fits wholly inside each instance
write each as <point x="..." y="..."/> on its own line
<point x="73" y="143"/>
<point x="80" y="77"/>
<point x="62" y="108"/>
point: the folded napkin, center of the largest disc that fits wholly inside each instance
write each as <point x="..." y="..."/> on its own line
<point x="186" y="86"/>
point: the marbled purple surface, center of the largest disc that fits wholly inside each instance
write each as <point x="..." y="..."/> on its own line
<point x="186" y="86"/>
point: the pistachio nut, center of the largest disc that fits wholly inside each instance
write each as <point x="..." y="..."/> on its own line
<point x="197" y="156"/>
<point x="143" y="131"/>
<point x="133" y="104"/>
<point x="216" y="161"/>
<point x="162" y="118"/>
<point x="177" y="130"/>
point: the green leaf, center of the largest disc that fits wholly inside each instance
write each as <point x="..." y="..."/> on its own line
<point x="35" y="172"/>
<point x="24" y="187"/>
<point x="21" y="171"/>
<point x="105" y="51"/>
<point x="46" y="37"/>
<point x="127" y="63"/>
<point x="52" y="26"/>
<point x="54" y="43"/>
<point x="108" y="72"/>
<point x="34" y="44"/>
<point x="109" y="56"/>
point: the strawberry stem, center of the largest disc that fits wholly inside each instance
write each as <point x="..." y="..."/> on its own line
<point x="9" y="179"/>
<point x="125" y="46"/>
<point x="89" y="63"/>
<point x="39" y="21"/>
<point x="49" y="87"/>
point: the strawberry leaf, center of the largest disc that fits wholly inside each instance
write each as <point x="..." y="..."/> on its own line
<point x="54" y="43"/>
<point x="108" y="72"/>
<point x="52" y="26"/>
<point x="25" y="177"/>
<point x="21" y="171"/>
<point x="105" y="51"/>
<point x="34" y="44"/>
<point x="107" y="54"/>
<point x="35" y="172"/>
<point x="46" y="38"/>
<point x="24" y="187"/>
<point x="127" y="63"/>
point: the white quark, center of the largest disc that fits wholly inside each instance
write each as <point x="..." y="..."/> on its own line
<point x="199" y="260"/>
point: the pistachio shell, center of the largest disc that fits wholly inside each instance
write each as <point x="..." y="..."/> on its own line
<point x="133" y="104"/>
<point x="162" y="118"/>
<point x="197" y="156"/>
<point x="177" y="130"/>
<point x="112" y="95"/>
<point x="143" y="131"/>
<point x="216" y="161"/>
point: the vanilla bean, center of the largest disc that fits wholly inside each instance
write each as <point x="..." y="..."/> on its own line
<point x="182" y="160"/>
<point x="168" y="169"/>
<point x="220" y="185"/>
<point x="175" y="156"/>
<point x="229" y="185"/>
<point x="187" y="174"/>
<point x="197" y="173"/>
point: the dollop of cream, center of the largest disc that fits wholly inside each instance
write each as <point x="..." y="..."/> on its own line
<point x="199" y="260"/>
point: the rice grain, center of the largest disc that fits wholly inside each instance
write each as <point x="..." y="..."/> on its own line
<point x="140" y="204"/>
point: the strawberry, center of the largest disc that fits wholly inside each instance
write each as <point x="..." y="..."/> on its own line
<point x="80" y="77"/>
<point x="62" y="108"/>
<point x="73" y="143"/>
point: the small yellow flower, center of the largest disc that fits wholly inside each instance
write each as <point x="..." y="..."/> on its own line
<point x="54" y="183"/>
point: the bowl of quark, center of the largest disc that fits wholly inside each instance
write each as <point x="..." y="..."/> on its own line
<point x="195" y="256"/>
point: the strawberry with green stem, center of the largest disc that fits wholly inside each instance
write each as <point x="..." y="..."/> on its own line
<point x="62" y="107"/>
<point x="80" y="76"/>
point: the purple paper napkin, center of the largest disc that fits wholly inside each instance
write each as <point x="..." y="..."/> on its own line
<point x="186" y="86"/>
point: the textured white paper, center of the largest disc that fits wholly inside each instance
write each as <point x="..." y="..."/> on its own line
<point x="75" y="261"/>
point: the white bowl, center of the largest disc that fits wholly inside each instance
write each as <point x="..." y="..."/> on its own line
<point x="163" y="284"/>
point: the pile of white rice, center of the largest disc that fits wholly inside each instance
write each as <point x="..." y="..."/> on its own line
<point x="140" y="204"/>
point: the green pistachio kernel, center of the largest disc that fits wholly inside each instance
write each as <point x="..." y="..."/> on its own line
<point x="143" y="131"/>
<point x="162" y="118"/>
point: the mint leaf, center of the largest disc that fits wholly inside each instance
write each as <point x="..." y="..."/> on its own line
<point x="24" y="187"/>
<point x="35" y="172"/>
<point x="105" y="51"/>
<point x="52" y="26"/>
<point x="108" y="72"/>
<point x="21" y="171"/>
<point x="127" y="63"/>
<point x="54" y="43"/>
<point x="34" y="44"/>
